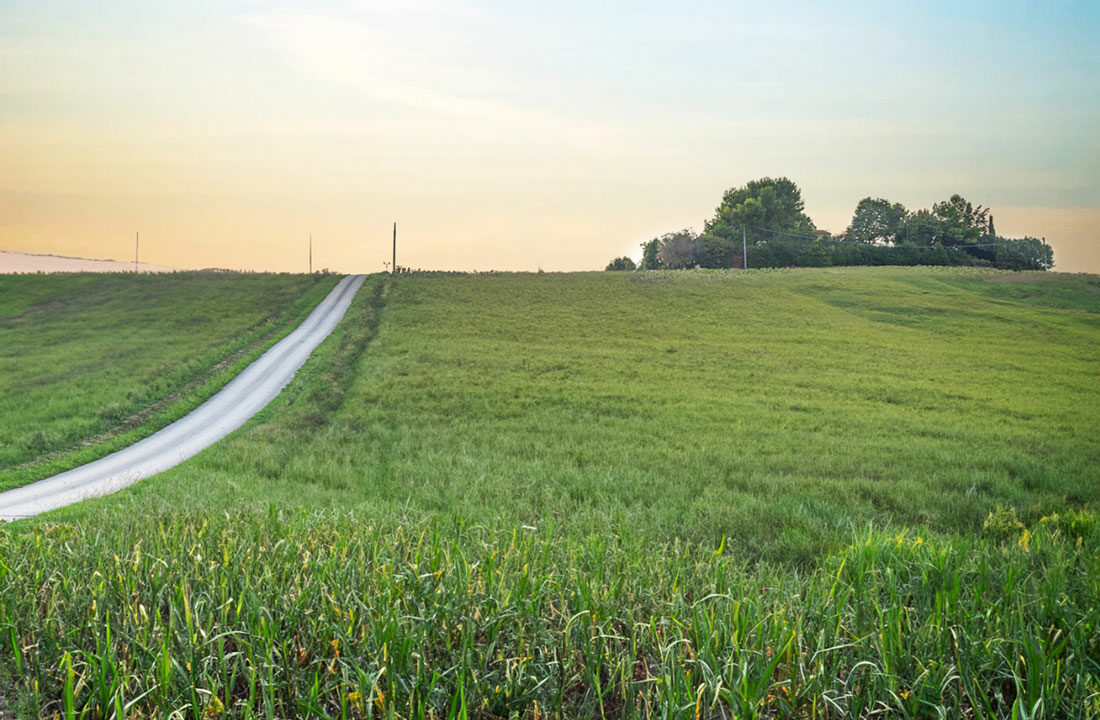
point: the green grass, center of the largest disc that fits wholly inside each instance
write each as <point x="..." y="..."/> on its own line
<point x="286" y="614"/>
<point x="91" y="363"/>
<point x="780" y="409"/>
<point x="685" y="494"/>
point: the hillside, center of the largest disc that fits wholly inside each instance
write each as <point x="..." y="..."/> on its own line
<point x="776" y="408"/>
<point x="92" y="362"/>
<point x="826" y="492"/>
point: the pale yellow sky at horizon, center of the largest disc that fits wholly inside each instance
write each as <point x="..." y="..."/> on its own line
<point x="517" y="136"/>
<point x="347" y="248"/>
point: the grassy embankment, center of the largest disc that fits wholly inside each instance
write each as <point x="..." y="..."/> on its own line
<point x="91" y="363"/>
<point x="675" y="494"/>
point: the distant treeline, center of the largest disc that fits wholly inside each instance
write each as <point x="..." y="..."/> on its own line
<point x="764" y="220"/>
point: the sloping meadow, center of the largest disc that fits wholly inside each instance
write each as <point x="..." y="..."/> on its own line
<point x="91" y="363"/>
<point x="816" y="493"/>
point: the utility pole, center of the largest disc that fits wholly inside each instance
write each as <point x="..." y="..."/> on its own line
<point x="311" y="253"/>
<point x="137" y="244"/>
<point x="393" y="266"/>
<point x="744" y="249"/>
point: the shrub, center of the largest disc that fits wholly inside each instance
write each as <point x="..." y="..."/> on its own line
<point x="621" y="263"/>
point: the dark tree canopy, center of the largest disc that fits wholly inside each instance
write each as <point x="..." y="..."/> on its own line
<point x="712" y="251"/>
<point x="779" y="234"/>
<point x="877" y="220"/>
<point x="650" y="259"/>
<point x="771" y="203"/>
<point x="962" y="223"/>
<point x="621" y="263"/>
<point x="1026" y="253"/>
<point x="923" y="228"/>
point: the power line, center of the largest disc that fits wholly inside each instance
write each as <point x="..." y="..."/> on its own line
<point x="851" y="242"/>
<point x="784" y="232"/>
<point x="965" y="246"/>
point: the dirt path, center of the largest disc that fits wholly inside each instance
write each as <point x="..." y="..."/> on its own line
<point x="226" y="411"/>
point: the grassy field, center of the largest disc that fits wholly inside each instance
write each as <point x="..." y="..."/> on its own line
<point x="91" y="363"/>
<point x="816" y="493"/>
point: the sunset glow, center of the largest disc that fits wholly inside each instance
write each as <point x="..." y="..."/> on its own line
<point x="524" y="135"/>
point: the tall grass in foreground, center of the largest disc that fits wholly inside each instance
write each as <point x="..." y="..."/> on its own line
<point x="276" y="615"/>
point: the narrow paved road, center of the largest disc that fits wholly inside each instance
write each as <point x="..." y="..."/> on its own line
<point x="242" y="398"/>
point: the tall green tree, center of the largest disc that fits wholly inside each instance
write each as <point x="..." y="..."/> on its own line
<point x="923" y="228"/>
<point x="650" y="257"/>
<point x="962" y="223"/>
<point x="768" y="203"/>
<point x="877" y="220"/>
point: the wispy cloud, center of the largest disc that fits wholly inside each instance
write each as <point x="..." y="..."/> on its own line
<point x="399" y="63"/>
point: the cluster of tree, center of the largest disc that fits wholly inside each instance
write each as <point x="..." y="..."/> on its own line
<point x="622" y="263"/>
<point x="765" y="221"/>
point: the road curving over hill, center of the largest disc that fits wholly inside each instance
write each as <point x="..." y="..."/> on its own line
<point x="243" y="397"/>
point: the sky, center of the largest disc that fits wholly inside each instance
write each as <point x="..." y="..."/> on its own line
<point x="527" y="135"/>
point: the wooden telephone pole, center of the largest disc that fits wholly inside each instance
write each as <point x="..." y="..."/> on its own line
<point x="393" y="265"/>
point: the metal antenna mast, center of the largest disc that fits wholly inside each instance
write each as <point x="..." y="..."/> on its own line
<point x="393" y="266"/>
